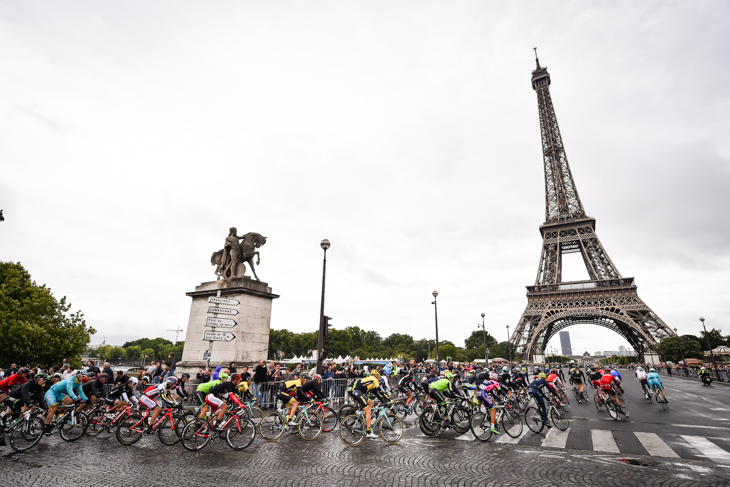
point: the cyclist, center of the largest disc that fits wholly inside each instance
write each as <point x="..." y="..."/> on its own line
<point x="360" y="392"/>
<point x="655" y="382"/>
<point x="641" y="377"/>
<point x="704" y="375"/>
<point x="21" y="398"/>
<point x="577" y="378"/>
<point x="121" y="394"/>
<point x="65" y="392"/>
<point x="505" y="381"/>
<point x="407" y="386"/>
<point x="201" y="391"/>
<point x="287" y="395"/>
<point x="244" y="390"/>
<point x="537" y="390"/>
<point x="442" y="388"/>
<point x="487" y="386"/>
<point x="595" y="377"/>
<point x="180" y="391"/>
<point x="152" y="400"/>
<point x="309" y="389"/>
<point x="519" y="379"/>
<point x="218" y="394"/>
<point x="94" y="387"/>
<point x="9" y="383"/>
<point x="608" y="387"/>
<point x="618" y="379"/>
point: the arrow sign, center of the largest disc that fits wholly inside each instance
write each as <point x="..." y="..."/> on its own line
<point x="218" y="336"/>
<point x="222" y="322"/>
<point x="217" y="300"/>
<point x="224" y="311"/>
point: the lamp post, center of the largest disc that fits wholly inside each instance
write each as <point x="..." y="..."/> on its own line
<point x="679" y="342"/>
<point x="325" y="244"/>
<point x="708" y="344"/>
<point x="509" y="344"/>
<point x="484" y="335"/>
<point x="436" y="315"/>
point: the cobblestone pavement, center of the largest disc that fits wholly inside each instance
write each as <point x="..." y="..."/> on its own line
<point x="328" y="462"/>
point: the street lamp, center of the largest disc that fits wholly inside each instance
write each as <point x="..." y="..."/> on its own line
<point x="509" y="344"/>
<point x="484" y="335"/>
<point x="436" y="315"/>
<point x="325" y="244"/>
<point x="679" y="342"/>
<point x="708" y="344"/>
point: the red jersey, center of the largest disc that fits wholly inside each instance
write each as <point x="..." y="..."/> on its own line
<point x="10" y="382"/>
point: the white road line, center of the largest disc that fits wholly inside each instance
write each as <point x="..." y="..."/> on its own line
<point x="655" y="446"/>
<point x="603" y="441"/>
<point x="468" y="436"/>
<point x="700" y="426"/>
<point x="707" y="448"/>
<point x="556" y="438"/>
<point x="504" y="438"/>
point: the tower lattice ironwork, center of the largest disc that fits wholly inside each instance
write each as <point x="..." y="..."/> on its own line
<point x="607" y="299"/>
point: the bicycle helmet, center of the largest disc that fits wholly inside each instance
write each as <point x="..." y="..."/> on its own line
<point x="553" y="371"/>
<point x="235" y="377"/>
<point x="376" y="373"/>
<point x="172" y="380"/>
<point x="24" y="370"/>
<point x="146" y="378"/>
<point x="57" y="376"/>
<point x="448" y="375"/>
<point x="652" y="370"/>
<point x="134" y="380"/>
<point x="92" y="375"/>
<point x="317" y="377"/>
<point x="185" y="376"/>
<point x="541" y="375"/>
<point x="41" y="375"/>
<point x="304" y="376"/>
<point x="81" y="373"/>
<point x="505" y="369"/>
<point x="493" y="375"/>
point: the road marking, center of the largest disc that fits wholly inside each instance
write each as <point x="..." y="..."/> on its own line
<point x="700" y="426"/>
<point x="468" y="436"/>
<point x="707" y="448"/>
<point x="556" y="438"/>
<point x="504" y="438"/>
<point x="603" y="441"/>
<point x="655" y="446"/>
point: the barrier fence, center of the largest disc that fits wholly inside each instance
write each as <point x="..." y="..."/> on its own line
<point x="718" y="375"/>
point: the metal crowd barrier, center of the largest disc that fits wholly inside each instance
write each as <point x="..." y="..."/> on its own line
<point x="692" y="373"/>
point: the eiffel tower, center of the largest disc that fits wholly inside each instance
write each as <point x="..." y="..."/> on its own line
<point x="607" y="299"/>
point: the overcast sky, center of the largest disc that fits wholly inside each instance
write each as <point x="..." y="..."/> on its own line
<point x="134" y="134"/>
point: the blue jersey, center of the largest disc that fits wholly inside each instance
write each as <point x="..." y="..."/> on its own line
<point x="616" y="374"/>
<point x="655" y="378"/>
<point x="70" y="387"/>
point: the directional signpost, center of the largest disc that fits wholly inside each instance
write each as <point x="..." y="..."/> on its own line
<point x="218" y="336"/>
<point x="223" y="311"/>
<point x="222" y="322"/>
<point x="217" y="300"/>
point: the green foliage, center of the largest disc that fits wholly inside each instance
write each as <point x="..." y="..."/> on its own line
<point x="34" y="326"/>
<point x="691" y="346"/>
<point x="476" y="340"/>
<point x="716" y="339"/>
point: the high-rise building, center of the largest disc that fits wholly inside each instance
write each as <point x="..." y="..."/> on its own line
<point x="565" y="343"/>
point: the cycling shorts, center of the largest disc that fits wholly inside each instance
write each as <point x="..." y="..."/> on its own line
<point x="51" y="399"/>
<point x="148" y="401"/>
<point x="214" y="402"/>
<point x="405" y="390"/>
<point x="483" y="396"/>
<point x="285" y="399"/>
<point x="200" y="396"/>
<point x="436" y="396"/>
<point x="654" y="384"/>
<point x="577" y="379"/>
<point x="643" y="382"/>
<point x="359" y="398"/>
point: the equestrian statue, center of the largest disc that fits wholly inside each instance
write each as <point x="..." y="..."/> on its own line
<point x="230" y="261"/>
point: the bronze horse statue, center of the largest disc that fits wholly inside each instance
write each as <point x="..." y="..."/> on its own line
<point x="230" y="261"/>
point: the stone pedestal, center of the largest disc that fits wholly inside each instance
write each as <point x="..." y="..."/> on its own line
<point x="251" y="342"/>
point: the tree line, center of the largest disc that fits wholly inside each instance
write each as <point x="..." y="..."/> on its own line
<point x="356" y="342"/>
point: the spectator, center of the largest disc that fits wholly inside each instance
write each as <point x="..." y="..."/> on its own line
<point x="151" y="369"/>
<point x="203" y="376"/>
<point x="171" y="363"/>
<point x="157" y="377"/>
<point x="232" y="368"/>
<point x="260" y="376"/>
<point x="109" y="372"/>
<point x="93" y="368"/>
<point x="12" y="370"/>
<point x="245" y="374"/>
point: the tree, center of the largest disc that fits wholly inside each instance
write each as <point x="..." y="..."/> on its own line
<point x="476" y="340"/>
<point x="691" y="348"/>
<point x="716" y="338"/>
<point x="34" y="326"/>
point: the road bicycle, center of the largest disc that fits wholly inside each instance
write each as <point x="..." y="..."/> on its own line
<point x="330" y="419"/>
<point x="505" y="418"/>
<point x="253" y="411"/>
<point x="72" y="424"/>
<point x="102" y="420"/>
<point x="660" y="399"/>
<point x="353" y="428"/>
<point x="555" y="415"/>
<point x="239" y="431"/>
<point x="24" y="431"/>
<point x="614" y="408"/>
<point x="451" y="415"/>
<point x="308" y="423"/>
<point x="580" y="395"/>
<point x="168" y="424"/>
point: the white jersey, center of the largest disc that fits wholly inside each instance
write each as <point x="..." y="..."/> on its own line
<point x="641" y="375"/>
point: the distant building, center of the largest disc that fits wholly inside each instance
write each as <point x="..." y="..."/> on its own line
<point x="565" y="343"/>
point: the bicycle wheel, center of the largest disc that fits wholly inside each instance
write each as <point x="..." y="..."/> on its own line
<point x="130" y="429"/>
<point x="584" y="395"/>
<point x="512" y="423"/>
<point x="429" y="422"/>
<point x="418" y="406"/>
<point x="310" y="425"/>
<point x="97" y="423"/>
<point x="254" y="413"/>
<point x="196" y="434"/>
<point x="400" y="409"/>
<point x="559" y="418"/>
<point x="461" y="420"/>
<point x="352" y="430"/>
<point x="480" y="426"/>
<point x="576" y="393"/>
<point x="26" y="434"/>
<point x="272" y="426"/>
<point x="611" y="408"/>
<point x="597" y="401"/>
<point x="566" y="403"/>
<point x="73" y="426"/>
<point x="533" y="418"/>
<point x="240" y="433"/>
<point x="329" y="419"/>
<point x="523" y="401"/>
<point x="663" y="402"/>
<point x="391" y="429"/>
<point x="170" y="432"/>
